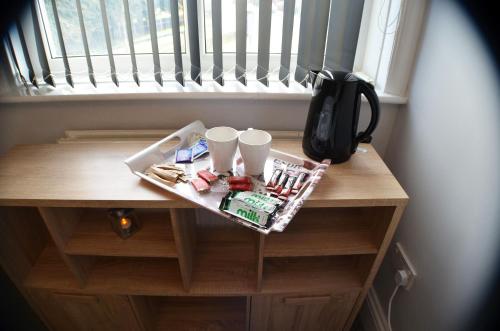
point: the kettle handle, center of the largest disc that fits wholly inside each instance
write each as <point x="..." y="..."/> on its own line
<point x="369" y="91"/>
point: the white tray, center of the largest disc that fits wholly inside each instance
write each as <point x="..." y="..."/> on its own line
<point x="153" y="154"/>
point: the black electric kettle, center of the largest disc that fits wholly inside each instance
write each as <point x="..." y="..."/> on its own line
<point x="332" y="122"/>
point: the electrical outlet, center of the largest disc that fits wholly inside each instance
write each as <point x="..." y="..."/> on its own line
<point x="402" y="261"/>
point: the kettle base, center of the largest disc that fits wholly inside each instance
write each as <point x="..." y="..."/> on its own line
<point x="319" y="158"/>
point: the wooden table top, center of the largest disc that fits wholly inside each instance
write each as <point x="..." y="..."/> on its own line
<point x="94" y="175"/>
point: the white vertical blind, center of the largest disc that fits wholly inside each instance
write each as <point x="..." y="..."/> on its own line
<point x="24" y="47"/>
<point x="241" y="41"/>
<point x="5" y="62"/>
<point x="154" y="42"/>
<point x="305" y="35"/>
<point x="14" y="57"/>
<point x="265" y="11"/>
<point x="41" y="53"/>
<point x="318" y="34"/>
<point x="218" y="69"/>
<point x="194" y="40"/>
<point x="67" y="70"/>
<point x="327" y="37"/>
<point x="109" y="46"/>
<point x="85" y="43"/>
<point x="343" y="32"/>
<point x="176" y="36"/>
<point x="130" y="39"/>
<point x="286" y="41"/>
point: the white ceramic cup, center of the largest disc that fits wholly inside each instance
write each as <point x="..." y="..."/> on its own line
<point x="222" y="143"/>
<point x="254" y="148"/>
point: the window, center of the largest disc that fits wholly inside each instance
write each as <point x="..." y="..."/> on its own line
<point x="189" y="43"/>
<point x="68" y="18"/>
<point x="229" y="26"/>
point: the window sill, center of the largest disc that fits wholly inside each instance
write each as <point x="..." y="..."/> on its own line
<point x="172" y="90"/>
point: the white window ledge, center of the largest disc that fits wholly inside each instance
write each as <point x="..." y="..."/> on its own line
<point x="173" y="90"/>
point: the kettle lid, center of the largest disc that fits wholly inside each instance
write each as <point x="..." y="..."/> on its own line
<point x="338" y="75"/>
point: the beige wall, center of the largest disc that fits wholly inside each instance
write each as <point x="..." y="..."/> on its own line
<point x="44" y="122"/>
<point x="445" y="151"/>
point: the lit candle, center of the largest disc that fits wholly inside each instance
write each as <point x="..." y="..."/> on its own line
<point x="125" y="223"/>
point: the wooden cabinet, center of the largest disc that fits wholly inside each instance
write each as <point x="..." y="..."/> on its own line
<point x="84" y="312"/>
<point x="305" y="312"/>
<point x="186" y="269"/>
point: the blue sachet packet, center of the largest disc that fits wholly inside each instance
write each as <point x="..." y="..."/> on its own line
<point x="199" y="148"/>
<point x="184" y="155"/>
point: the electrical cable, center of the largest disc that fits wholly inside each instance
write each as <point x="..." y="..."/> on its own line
<point x="389" y="308"/>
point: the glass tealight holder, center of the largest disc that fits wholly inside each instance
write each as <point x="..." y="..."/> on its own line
<point x="124" y="221"/>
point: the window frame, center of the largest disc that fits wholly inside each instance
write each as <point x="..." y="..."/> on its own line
<point x="396" y="58"/>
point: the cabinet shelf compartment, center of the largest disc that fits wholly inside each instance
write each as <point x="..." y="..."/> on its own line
<point x="93" y="236"/>
<point x="108" y="275"/>
<point x="198" y="313"/>
<point x="225" y="260"/>
<point x="309" y="274"/>
<point x="329" y="231"/>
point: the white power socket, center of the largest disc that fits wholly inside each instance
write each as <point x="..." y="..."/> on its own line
<point x="401" y="261"/>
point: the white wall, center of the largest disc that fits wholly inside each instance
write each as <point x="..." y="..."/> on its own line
<point x="445" y="152"/>
<point x="45" y="122"/>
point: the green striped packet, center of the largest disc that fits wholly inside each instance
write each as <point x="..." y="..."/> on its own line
<point x="250" y="209"/>
<point x="242" y="195"/>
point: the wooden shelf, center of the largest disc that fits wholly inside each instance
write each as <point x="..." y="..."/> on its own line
<point x="143" y="276"/>
<point x="187" y="269"/>
<point x="225" y="262"/>
<point x="50" y="272"/>
<point x="183" y="314"/>
<point x="308" y="274"/>
<point x="339" y="231"/>
<point x="108" y="275"/>
<point x="93" y="236"/>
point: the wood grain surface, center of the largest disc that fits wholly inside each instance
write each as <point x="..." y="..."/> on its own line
<point x="93" y="236"/>
<point x="306" y="274"/>
<point x="325" y="231"/>
<point x="94" y="175"/>
<point x="110" y="275"/>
